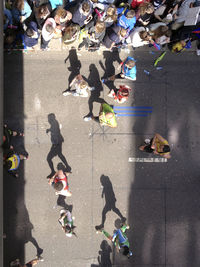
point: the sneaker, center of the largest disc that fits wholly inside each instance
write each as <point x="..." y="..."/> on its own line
<point x="40" y="258"/>
<point x="147" y="141"/>
<point x="92" y="88"/>
<point x="87" y="118"/>
<point x="198" y="52"/>
<point x="111" y="94"/>
<point x="15" y="263"/>
<point x="66" y="93"/>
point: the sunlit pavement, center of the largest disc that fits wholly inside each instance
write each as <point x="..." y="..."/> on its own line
<point x="159" y="199"/>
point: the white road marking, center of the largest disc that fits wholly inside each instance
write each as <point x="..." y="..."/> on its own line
<point x="147" y="160"/>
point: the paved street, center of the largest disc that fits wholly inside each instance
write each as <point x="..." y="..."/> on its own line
<point x="159" y="199"/>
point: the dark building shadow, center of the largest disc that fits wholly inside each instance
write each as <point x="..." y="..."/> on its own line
<point x="56" y="148"/>
<point x="94" y="81"/>
<point x="109" y="199"/>
<point x="13" y="189"/>
<point x="75" y="65"/>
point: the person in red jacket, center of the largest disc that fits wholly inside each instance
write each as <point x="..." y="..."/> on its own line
<point x="60" y="183"/>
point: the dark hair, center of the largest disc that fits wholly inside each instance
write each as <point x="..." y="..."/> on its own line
<point x="58" y="186"/>
<point x="166" y="148"/>
<point x="29" y="32"/>
<point x="125" y="251"/>
<point x="68" y="229"/>
<point x="8" y="164"/>
<point x="85" y="7"/>
<point x="49" y="28"/>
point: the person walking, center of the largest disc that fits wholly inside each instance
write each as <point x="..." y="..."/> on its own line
<point x="119" y="239"/>
<point x="67" y="222"/>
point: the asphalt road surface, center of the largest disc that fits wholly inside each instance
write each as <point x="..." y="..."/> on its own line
<point x="160" y="199"/>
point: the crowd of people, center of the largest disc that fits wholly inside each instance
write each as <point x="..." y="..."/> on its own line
<point x="107" y="23"/>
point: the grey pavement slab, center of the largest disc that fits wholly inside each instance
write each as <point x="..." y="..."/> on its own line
<point x="159" y="200"/>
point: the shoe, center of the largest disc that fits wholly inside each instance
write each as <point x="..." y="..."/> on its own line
<point x="111" y="94"/>
<point x="147" y="141"/>
<point x="66" y="93"/>
<point x="87" y="118"/>
<point x="92" y="88"/>
<point x="104" y="80"/>
<point x="198" y="52"/>
<point x="40" y="258"/>
<point x="15" y="263"/>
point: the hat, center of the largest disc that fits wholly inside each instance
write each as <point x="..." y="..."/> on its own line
<point x="47" y="36"/>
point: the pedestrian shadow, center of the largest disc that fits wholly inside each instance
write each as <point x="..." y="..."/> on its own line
<point x="109" y="69"/>
<point x="75" y="65"/>
<point x="56" y="148"/>
<point x="104" y="255"/>
<point x="109" y="199"/>
<point x="22" y="232"/>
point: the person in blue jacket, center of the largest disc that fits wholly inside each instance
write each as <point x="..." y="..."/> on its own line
<point x="31" y="35"/>
<point x="21" y="10"/>
<point x="126" y="19"/>
<point x="128" y="71"/>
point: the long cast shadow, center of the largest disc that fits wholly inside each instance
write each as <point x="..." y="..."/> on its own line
<point x="94" y="80"/>
<point x="109" y="199"/>
<point x="75" y="65"/>
<point x="56" y="148"/>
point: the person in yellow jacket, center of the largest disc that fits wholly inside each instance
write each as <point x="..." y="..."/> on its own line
<point x="106" y="116"/>
<point x="12" y="161"/>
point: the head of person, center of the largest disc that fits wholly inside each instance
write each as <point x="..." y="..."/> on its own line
<point x="144" y="35"/>
<point x="100" y="27"/>
<point x="19" y="4"/>
<point x="58" y="186"/>
<point x="130" y="14"/>
<point x="112" y="12"/>
<point x="165" y="148"/>
<point x="85" y="8"/>
<point x="109" y="115"/>
<point x="146" y="8"/>
<point x="63" y="15"/>
<point x="70" y="32"/>
<point x="42" y="11"/>
<point x="123" y="32"/>
<point x="130" y="64"/>
<point x="31" y="33"/>
<point x="68" y="230"/>
<point x="125" y="251"/>
<point x="49" y="28"/>
<point x="83" y="85"/>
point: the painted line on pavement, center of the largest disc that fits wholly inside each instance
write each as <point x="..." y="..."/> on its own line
<point x="147" y="160"/>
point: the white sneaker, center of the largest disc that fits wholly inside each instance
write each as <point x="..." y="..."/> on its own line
<point x="147" y="141"/>
<point x="198" y="52"/>
<point x="66" y="93"/>
<point x="15" y="263"/>
<point x="111" y="94"/>
<point x="87" y="119"/>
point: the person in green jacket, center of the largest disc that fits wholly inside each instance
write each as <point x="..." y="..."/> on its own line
<point x="119" y="239"/>
<point x="106" y="116"/>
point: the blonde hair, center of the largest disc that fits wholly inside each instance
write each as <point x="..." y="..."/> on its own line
<point x="100" y="26"/>
<point x="130" y="63"/>
<point x="146" y="8"/>
<point x="111" y="12"/>
<point x="83" y="85"/>
<point x="85" y="7"/>
<point x="160" y="31"/>
<point x="61" y="12"/>
<point x="130" y="14"/>
<point x="123" y="32"/>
